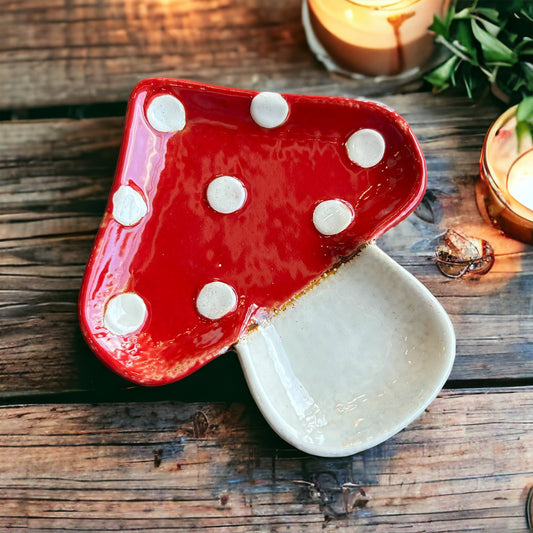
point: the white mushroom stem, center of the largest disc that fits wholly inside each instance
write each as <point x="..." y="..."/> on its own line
<point x="351" y="361"/>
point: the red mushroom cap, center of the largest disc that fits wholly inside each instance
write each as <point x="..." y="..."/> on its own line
<point x="225" y="206"/>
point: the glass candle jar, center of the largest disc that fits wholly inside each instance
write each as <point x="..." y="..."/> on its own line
<point x="505" y="189"/>
<point x="372" y="37"/>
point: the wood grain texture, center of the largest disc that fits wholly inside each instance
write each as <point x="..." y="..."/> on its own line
<point x="81" y="51"/>
<point x="54" y="180"/>
<point x="465" y="465"/>
<point x="136" y="461"/>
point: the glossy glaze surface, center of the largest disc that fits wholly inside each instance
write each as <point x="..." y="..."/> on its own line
<point x="353" y="360"/>
<point x="268" y="251"/>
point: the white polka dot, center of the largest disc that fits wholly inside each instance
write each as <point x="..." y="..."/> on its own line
<point x="124" y="313"/>
<point x="366" y="147"/>
<point x="269" y="109"/>
<point x="166" y="113"/>
<point x="128" y="206"/>
<point x="216" y="299"/>
<point x="226" y="194"/>
<point x="332" y="217"/>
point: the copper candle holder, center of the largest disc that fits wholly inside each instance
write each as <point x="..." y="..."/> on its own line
<point x="495" y="202"/>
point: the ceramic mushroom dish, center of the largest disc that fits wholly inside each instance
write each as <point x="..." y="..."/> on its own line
<point x="247" y="220"/>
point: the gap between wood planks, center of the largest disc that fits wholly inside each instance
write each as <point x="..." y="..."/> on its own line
<point x="137" y="394"/>
<point x="79" y="112"/>
<point x="464" y="465"/>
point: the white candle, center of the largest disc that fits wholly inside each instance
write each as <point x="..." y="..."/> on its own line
<point x="375" y="37"/>
<point x="520" y="180"/>
<point x="508" y="169"/>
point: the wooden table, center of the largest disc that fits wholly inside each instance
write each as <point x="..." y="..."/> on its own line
<point x="83" y="450"/>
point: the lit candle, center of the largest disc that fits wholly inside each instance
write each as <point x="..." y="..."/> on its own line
<point x="520" y="180"/>
<point x="505" y="193"/>
<point x="373" y="37"/>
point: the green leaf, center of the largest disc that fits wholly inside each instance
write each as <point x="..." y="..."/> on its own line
<point x="524" y="112"/>
<point x="439" y="27"/>
<point x="463" y="14"/>
<point x="473" y="80"/>
<point x="457" y="49"/>
<point x="523" y="134"/>
<point x="525" y="42"/>
<point x="440" y="76"/>
<point x="514" y="83"/>
<point x="489" y="27"/>
<point x="492" y="43"/>
<point x="525" y="47"/>
<point x="450" y="15"/>
<point x="527" y="15"/>
<point x="493" y="49"/>
<point x="468" y="83"/>
<point x="491" y="14"/>
<point x="465" y="40"/>
<point x="524" y="119"/>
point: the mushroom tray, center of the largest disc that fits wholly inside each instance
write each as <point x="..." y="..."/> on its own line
<point x="247" y="220"/>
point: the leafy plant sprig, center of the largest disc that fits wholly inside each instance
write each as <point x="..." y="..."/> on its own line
<point x="491" y="48"/>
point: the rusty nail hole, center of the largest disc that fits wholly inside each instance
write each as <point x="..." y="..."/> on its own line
<point x="334" y="500"/>
<point x="354" y="497"/>
<point x="200" y="425"/>
<point x="223" y="500"/>
<point x="158" y="457"/>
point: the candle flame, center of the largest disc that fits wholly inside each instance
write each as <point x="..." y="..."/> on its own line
<point x="520" y="180"/>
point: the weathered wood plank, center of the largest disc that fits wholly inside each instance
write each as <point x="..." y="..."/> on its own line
<point x="54" y="181"/>
<point x="492" y="314"/>
<point x="82" y="51"/>
<point x="465" y="465"/>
